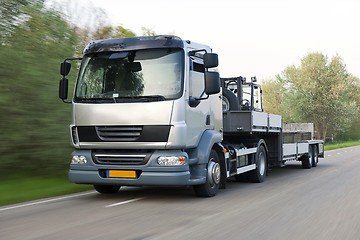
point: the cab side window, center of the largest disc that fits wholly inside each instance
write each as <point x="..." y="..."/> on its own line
<point x="197" y="83"/>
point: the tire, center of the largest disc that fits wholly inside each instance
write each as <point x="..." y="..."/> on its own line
<point x="213" y="175"/>
<point x="315" y="158"/>
<point x="106" y="189"/>
<point x="258" y="175"/>
<point x="230" y="101"/>
<point x="307" y="159"/>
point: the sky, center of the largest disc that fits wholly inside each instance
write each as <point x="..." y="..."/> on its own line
<point x="252" y="37"/>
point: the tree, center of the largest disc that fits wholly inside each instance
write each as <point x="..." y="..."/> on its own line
<point x="85" y="19"/>
<point x="121" y="32"/>
<point x="148" y="31"/>
<point x="322" y="92"/>
<point x="34" y="125"/>
<point x="104" y="32"/>
<point x="272" y="96"/>
<point x="12" y="12"/>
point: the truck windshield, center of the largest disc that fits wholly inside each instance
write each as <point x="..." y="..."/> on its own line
<point x="143" y="75"/>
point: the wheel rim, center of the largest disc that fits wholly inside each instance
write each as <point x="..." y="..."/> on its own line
<point x="225" y="104"/>
<point x="261" y="163"/>
<point x="213" y="173"/>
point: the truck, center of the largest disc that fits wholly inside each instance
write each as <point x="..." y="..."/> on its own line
<point x="153" y="110"/>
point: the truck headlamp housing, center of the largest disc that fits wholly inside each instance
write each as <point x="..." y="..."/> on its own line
<point x="76" y="159"/>
<point x="171" y="161"/>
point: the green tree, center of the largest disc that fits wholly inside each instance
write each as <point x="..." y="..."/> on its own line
<point x="272" y="96"/>
<point x="121" y="32"/>
<point x="12" y="13"/>
<point x="34" y="125"/>
<point x="104" y="33"/>
<point x="320" y="91"/>
<point x="148" y="31"/>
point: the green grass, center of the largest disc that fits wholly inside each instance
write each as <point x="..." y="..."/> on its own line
<point x="21" y="189"/>
<point x="341" y="145"/>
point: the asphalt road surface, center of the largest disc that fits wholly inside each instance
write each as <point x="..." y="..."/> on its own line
<point x="292" y="203"/>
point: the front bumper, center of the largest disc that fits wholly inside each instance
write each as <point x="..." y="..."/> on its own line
<point x="150" y="173"/>
<point x="146" y="178"/>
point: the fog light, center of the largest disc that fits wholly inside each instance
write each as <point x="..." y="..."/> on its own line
<point x="78" y="160"/>
<point x="171" y="161"/>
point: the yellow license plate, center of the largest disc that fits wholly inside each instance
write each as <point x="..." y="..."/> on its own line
<point x="120" y="174"/>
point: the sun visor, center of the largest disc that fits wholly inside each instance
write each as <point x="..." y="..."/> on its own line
<point x="134" y="43"/>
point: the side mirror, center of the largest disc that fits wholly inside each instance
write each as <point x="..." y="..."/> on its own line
<point x="212" y="83"/>
<point x="211" y="60"/>
<point x="63" y="88"/>
<point x="65" y="68"/>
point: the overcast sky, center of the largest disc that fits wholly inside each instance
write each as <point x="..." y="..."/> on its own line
<point x="252" y="37"/>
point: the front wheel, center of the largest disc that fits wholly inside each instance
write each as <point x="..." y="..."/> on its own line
<point x="213" y="174"/>
<point x="106" y="189"/>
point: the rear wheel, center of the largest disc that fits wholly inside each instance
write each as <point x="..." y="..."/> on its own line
<point x="106" y="189"/>
<point x="307" y="159"/>
<point x="258" y="175"/>
<point x="213" y="174"/>
<point x="315" y="158"/>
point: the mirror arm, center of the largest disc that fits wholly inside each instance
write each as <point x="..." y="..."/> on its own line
<point x="66" y="59"/>
<point x="193" y="52"/>
<point x="195" y="101"/>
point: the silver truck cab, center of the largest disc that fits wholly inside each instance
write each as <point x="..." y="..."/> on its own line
<point x="146" y="111"/>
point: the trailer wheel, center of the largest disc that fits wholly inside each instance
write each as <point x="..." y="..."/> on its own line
<point x="307" y="159"/>
<point x="315" y="158"/>
<point x="258" y="175"/>
<point x="106" y="189"/>
<point x="213" y="170"/>
<point x="229" y="101"/>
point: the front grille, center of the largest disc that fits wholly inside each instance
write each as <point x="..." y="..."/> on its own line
<point x="119" y="133"/>
<point x="121" y="158"/>
<point x="147" y="133"/>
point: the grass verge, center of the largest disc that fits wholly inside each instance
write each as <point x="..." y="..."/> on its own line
<point x="21" y="189"/>
<point x="341" y="145"/>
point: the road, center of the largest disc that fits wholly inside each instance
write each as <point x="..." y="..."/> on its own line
<point x="292" y="203"/>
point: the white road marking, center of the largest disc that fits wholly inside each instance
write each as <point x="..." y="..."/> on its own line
<point x="124" y="202"/>
<point x="46" y="201"/>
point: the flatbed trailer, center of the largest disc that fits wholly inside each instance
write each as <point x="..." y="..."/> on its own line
<point x="250" y="127"/>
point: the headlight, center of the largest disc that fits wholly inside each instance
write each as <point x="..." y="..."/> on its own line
<point x="171" y="161"/>
<point x="78" y="160"/>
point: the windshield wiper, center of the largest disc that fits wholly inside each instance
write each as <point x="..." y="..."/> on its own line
<point x="96" y="100"/>
<point x="124" y="99"/>
<point x="150" y="98"/>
